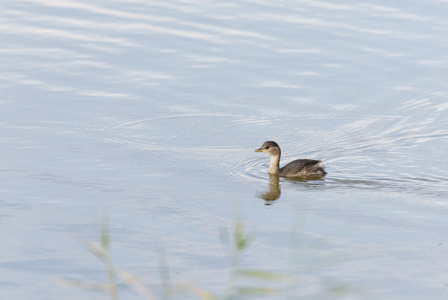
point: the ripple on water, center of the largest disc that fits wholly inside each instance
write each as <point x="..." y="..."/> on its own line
<point x="181" y="143"/>
<point x="363" y="151"/>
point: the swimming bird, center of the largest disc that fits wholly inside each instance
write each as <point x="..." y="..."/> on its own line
<point x="296" y="168"/>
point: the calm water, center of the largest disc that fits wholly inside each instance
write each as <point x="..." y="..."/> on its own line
<point x="150" y="112"/>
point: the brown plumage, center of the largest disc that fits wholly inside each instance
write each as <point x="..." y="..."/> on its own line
<point x="296" y="168"/>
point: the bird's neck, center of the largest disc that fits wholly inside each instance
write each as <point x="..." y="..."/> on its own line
<point x="274" y="165"/>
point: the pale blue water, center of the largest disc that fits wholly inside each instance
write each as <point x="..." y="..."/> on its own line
<point x="150" y="112"/>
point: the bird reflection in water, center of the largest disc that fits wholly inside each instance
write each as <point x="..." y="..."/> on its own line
<point x="273" y="193"/>
<point x="274" y="190"/>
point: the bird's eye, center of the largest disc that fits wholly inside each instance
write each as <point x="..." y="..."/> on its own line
<point x="267" y="148"/>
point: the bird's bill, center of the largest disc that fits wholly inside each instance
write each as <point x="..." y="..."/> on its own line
<point x="259" y="150"/>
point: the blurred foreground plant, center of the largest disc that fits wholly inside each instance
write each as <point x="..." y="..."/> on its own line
<point x="234" y="243"/>
<point x="102" y="252"/>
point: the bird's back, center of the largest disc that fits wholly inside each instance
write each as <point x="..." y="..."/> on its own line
<point x="302" y="168"/>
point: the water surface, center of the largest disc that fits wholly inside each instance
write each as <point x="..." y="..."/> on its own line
<point x="150" y="112"/>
